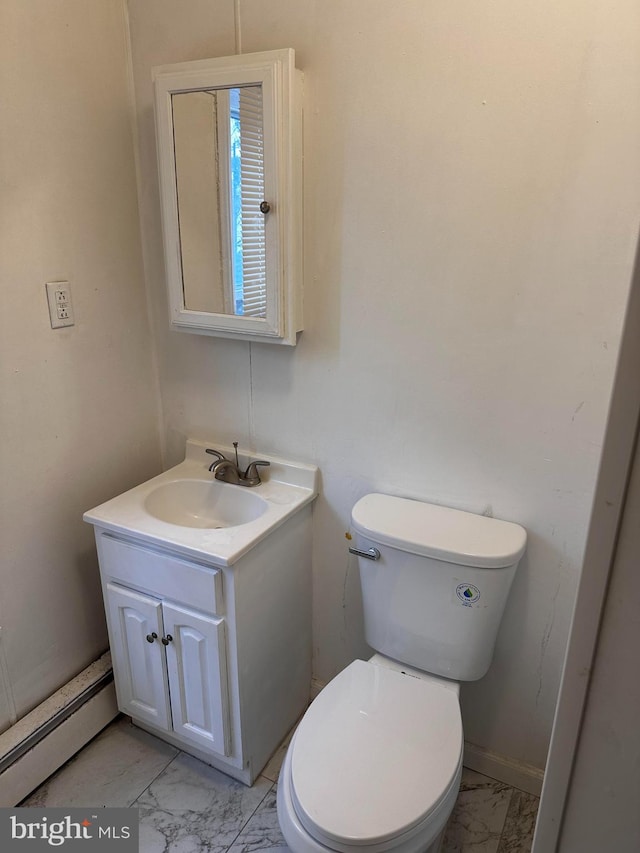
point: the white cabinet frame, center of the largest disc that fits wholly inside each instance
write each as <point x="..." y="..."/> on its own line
<point x="282" y="105"/>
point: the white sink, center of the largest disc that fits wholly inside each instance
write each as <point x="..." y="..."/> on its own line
<point x="191" y="512"/>
<point x="202" y="503"/>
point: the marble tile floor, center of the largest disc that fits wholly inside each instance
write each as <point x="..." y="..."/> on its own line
<point x="186" y="806"/>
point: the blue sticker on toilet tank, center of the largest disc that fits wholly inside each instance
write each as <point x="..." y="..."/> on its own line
<point x="467" y="593"/>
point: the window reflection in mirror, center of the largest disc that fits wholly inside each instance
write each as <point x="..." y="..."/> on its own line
<point x="219" y="153"/>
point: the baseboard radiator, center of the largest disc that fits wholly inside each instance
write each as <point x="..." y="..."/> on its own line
<point x="43" y="740"/>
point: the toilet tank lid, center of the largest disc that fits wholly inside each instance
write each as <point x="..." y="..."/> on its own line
<point x="439" y="532"/>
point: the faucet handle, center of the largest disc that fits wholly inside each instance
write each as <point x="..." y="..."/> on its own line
<point x="221" y="457"/>
<point x="251" y="474"/>
<point x="214" y="452"/>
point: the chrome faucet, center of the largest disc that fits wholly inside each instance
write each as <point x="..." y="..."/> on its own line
<point x="229" y="472"/>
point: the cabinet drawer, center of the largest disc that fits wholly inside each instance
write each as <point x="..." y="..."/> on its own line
<point x="162" y="574"/>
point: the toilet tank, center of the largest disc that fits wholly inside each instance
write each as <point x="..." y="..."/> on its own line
<point x="435" y="596"/>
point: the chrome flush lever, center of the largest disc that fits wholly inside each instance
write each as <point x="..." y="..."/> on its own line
<point x="369" y="554"/>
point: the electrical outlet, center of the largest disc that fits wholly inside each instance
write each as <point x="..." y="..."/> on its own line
<point x="60" y="307"/>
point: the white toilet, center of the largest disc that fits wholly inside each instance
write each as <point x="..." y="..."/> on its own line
<point x="375" y="763"/>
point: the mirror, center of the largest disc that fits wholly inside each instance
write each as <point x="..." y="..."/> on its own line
<point x="219" y="158"/>
<point x="229" y="147"/>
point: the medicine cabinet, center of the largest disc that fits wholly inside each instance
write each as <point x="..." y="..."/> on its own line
<point x="229" y="135"/>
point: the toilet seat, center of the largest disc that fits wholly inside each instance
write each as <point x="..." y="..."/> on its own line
<point x="375" y="756"/>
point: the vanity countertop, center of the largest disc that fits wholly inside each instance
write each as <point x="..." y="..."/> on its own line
<point x="286" y="488"/>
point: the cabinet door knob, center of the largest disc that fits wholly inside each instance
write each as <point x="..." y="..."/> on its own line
<point x="152" y="637"/>
<point x="166" y="640"/>
<point x="265" y="207"/>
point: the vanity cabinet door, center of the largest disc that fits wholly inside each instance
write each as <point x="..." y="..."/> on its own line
<point x="139" y="667"/>
<point x="196" y="663"/>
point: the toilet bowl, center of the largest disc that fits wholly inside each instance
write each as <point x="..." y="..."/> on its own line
<point x="375" y="763"/>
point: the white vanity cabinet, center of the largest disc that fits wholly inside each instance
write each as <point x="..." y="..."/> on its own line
<point x="207" y="591"/>
<point x="213" y="659"/>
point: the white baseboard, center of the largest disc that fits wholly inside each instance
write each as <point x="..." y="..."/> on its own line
<point x="31" y="770"/>
<point x="519" y="775"/>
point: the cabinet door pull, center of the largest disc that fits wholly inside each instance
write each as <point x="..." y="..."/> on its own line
<point x="166" y="640"/>
<point x="151" y="637"/>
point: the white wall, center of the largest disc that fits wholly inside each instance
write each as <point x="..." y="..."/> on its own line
<point x="602" y="807"/>
<point x="78" y="411"/>
<point x="471" y="211"/>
